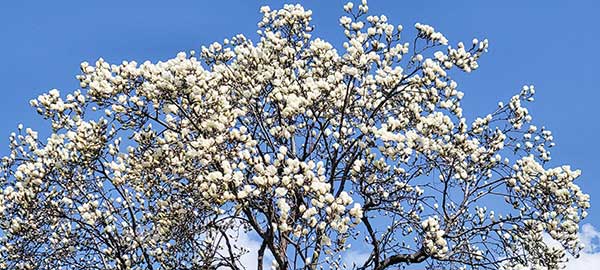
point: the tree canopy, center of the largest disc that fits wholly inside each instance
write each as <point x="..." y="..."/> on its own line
<point x="318" y="153"/>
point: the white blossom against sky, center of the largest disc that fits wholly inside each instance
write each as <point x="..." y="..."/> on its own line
<point x="589" y="259"/>
<point x="551" y="44"/>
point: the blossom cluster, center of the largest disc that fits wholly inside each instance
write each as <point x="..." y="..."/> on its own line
<point x="311" y="147"/>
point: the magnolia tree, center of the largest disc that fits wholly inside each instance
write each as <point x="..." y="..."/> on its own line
<point x="319" y="154"/>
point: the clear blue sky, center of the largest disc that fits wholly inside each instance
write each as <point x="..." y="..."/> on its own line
<point x="552" y="44"/>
